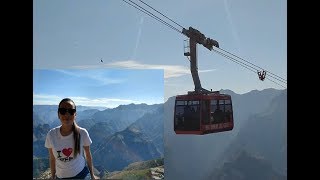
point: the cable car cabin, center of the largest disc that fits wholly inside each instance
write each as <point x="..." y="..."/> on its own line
<point x="203" y="113"/>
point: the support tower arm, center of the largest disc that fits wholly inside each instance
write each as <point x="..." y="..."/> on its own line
<point x="195" y="37"/>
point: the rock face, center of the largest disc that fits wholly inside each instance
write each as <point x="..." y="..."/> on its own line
<point x="246" y="167"/>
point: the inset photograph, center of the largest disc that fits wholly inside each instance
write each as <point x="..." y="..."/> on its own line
<point x="101" y="123"/>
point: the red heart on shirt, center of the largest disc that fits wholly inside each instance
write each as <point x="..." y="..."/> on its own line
<point x="67" y="152"/>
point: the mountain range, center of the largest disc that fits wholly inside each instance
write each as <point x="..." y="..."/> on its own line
<point x="138" y="132"/>
<point x="120" y="136"/>
<point x="260" y="119"/>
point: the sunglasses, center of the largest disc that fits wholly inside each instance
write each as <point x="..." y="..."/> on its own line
<point x="63" y="111"/>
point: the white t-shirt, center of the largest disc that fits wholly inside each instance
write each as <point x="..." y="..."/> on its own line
<point x="63" y="148"/>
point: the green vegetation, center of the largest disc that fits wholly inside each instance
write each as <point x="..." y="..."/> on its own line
<point x="132" y="175"/>
<point x="145" y="164"/>
<point x="136" y="170"/>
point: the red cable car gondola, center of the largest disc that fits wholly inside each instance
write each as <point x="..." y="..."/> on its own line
<point x="201" y="111"/>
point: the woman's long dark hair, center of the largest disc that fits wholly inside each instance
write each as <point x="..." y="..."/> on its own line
<point x="75" y="129"/>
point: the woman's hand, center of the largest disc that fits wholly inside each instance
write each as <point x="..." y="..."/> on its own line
<point x="95" y="177"/>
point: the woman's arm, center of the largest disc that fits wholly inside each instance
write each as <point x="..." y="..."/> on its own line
<point x="89" y="161"/>
<point x="52" y="164"/>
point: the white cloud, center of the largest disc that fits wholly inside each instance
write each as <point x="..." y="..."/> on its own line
<point x="170" y="71"/>
<point x="97" y="76"/>
<point x="42" y="99"/>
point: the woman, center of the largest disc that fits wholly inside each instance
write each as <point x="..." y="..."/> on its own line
<point x="67" y="145"/>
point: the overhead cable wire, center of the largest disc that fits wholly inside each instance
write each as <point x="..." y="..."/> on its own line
<point x="161" y="14"/>
<point x="233" y="59"/>
<point x="271" y="74"/>
<point x="240" y="60"/>
<point x="275" y="82"/>
<point x="251" y="63"/>
<point x="236" y="61"/>
<point x="151" y="15"/>
<point x="245" y="66"/>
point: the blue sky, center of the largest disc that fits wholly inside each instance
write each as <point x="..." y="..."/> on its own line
<point x="76" y="34"/>
<point x="98" y="87"/>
